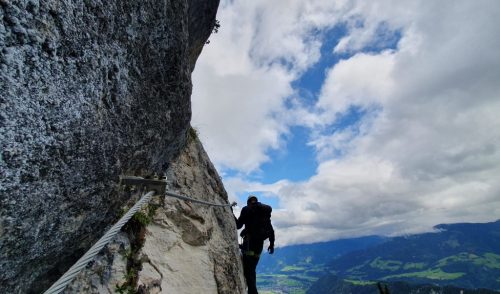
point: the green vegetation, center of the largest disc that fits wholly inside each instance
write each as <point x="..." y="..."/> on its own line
<point x="357" y="269"/>
<point x="142" y="218"/>
<point x="126" y="254"/>
<point x="146" y="217"/>
<point x="193" y="133"/>
<point x="307" y="278"/>
<point x="135" y="230"/>
<point x="433" y="274"/>
<point x="315" y="272"/>
<point x="294" y="280"/>
<point x="489" y="260"/>
<point x="392" y="265"/>
<point x="454" y="268"/>
<point x="281" y="284"/>
<point x="124" y="289"/>
<point x="332" y="284"/>
<point x="455" y="256"/>
<point x="127" y="287"/>
<point x="461" y="257"/>
<point x="291" y="268"/>
<point x="414" y="265"/>
<point x="447" y="270"/>
<point x="360" y="282"/>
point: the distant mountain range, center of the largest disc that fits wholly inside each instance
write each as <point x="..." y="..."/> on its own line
<point x="330" y="284"/>
<point x="464" y="256"/>
<point x="293" y="269"/>
<point x="316" y="253"/>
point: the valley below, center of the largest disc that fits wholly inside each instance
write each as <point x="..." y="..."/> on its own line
<point x="453" y="258"/>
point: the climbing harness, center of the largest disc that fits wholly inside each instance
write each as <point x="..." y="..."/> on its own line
<point x="251" y="253"/>
<point x="245" y="248"/>
<point x="153" y="186"/>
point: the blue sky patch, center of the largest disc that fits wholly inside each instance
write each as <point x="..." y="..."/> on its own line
<point x="387" y="38"/>
<point x="313" y="79"/>
<point x="296" y="163"/>
<point x="351" y="117"/>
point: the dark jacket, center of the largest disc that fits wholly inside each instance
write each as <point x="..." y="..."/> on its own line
<point x="250" y="217"/>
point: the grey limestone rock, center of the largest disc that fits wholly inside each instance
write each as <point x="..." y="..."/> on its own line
<point x="215" y="250"/>
<point x="106" y="270"/>
<point x="89" y="90"/>
<point x="187" y="248"/>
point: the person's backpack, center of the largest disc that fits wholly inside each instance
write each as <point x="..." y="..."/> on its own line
<point x="261" y="226"/>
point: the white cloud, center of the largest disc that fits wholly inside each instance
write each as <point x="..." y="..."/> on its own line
<point x="363" y="80"/>
<point x="234" y="114"/>
<point x="431" y="152"/>
<point x="244" y="76"/>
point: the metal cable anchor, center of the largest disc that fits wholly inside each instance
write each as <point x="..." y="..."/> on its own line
<point x="156" y="184"/>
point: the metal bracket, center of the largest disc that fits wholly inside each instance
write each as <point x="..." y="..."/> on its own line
<point x="158" y="185"/>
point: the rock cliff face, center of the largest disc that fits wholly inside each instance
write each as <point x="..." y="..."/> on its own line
<point x="187" y="248"/>
<point x="89" y="90"/>
<point x="193" y="247"/>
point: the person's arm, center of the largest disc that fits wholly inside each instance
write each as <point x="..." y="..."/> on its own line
<point x="270" y="249"/>
<point x="242" y="219"/>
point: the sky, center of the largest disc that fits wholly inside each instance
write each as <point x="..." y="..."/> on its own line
<point x="355" y="118"/>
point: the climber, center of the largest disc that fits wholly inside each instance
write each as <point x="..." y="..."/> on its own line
<point x="257" y="220"/>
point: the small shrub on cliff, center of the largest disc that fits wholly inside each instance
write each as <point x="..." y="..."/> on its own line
<point x="142" y="218"/>
<point x="127" y="254"/>
<point x="215" y="29"/>
<point x="124" y="289"/>
<point x="145" y="218"/>
<point x="216" y="26"/>
<point x="192" y="134"/>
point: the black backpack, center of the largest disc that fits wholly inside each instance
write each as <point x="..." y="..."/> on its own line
<point x="260" y="221"/>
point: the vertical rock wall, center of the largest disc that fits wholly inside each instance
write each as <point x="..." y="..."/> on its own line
<point x="89" y="89"/>
<point x="193" y="247"/>
<point x="187" y="248"/>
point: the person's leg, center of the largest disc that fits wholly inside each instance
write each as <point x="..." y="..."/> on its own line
<point x="246" y="268"/>
<point x="249" y="266"/>
<point x="255" y="261"/>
